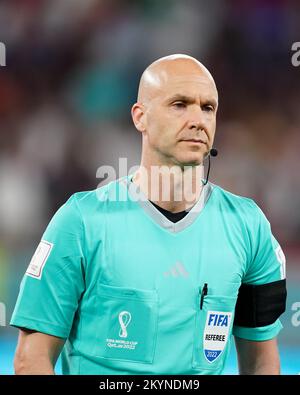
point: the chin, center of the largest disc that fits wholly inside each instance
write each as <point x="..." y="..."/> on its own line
<point x="191" y="161"/>
<point x="189" y="157"/>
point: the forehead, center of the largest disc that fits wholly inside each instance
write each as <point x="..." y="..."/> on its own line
<point x="192" y="84"/>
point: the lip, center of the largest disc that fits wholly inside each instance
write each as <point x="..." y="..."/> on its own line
<point x="196" y="141"/>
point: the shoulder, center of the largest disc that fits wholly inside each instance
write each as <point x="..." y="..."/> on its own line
<point x="81" y="213"/>
<point x="99" y="197"/>
<point x="86" y="204"/>
<point x="234" y="200"/>
<point x="241" y="206"/>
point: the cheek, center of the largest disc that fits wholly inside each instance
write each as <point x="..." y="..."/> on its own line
<point x="160" y="128"/>
<point x="211" y="127"/>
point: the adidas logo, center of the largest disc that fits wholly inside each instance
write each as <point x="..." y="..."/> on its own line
<point x="178" y="270"/>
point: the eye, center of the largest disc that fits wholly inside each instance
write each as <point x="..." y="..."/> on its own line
<point x="179" y="104"/>
<point x="208" y="108"/>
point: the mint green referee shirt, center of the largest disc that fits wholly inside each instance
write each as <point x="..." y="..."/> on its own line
<point x="122" y="284"/>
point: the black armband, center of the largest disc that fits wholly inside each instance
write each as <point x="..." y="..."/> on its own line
<point x="260" y="305"/>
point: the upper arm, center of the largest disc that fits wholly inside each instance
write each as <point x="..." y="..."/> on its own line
<point x="267" y="260"/>
<point x="257" y="357"/>
<point x="37" y="348"/>
<point x="265" y="275"/>
<point x="54" y="282"/>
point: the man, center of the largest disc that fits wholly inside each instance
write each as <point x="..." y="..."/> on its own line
<point x="132" y="282"/>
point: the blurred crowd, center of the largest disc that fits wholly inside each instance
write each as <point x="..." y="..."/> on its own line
<point x="71" y="76"/>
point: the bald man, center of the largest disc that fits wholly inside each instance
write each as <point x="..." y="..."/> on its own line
<point x="154" y="272"/>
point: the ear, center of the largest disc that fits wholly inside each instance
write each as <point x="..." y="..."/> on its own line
<point x="138" y="116"/>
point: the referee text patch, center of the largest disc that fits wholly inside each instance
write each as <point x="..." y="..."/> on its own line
<point x="216" y="334"/>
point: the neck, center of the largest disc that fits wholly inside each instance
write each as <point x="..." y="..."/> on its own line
<point x="173" y="188"/>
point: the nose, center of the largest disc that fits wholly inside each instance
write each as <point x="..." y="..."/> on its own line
<point x="196" y="119"/>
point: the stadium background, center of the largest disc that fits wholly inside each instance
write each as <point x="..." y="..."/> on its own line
<point x="71" y="75"/>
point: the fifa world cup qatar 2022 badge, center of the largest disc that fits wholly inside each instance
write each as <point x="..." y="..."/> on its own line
<point x="216" y="333"/>
<point x="124" y="318"/>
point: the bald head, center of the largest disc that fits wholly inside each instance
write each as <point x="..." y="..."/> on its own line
<point x="166" y="70"/>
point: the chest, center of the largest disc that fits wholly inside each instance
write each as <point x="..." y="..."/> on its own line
<point x="138" y="253"/>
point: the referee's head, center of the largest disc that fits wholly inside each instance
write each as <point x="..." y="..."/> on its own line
<point x="176" y="111"/>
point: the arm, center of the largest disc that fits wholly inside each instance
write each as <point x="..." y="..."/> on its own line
<point x="36" y="353"/>
<point x="50" y="292"/>
<point x="257" y="357"/>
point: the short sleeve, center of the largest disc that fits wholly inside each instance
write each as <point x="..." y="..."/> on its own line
<point x="266" y="265"/>
<point x="54" y="281"/>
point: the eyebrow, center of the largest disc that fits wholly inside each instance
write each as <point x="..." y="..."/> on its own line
<point x="189" y="99"/>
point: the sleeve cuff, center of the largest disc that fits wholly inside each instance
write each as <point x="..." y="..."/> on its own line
<point x="263" y="333"/>
<point x="39" y="326"/>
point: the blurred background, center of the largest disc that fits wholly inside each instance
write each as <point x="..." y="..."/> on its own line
<point x="71" y="76"/>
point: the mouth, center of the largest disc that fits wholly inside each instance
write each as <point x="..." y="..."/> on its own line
<point x="195" y="141"/>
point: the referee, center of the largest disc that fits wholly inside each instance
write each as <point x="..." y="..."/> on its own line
<point x="154" y="272"/>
